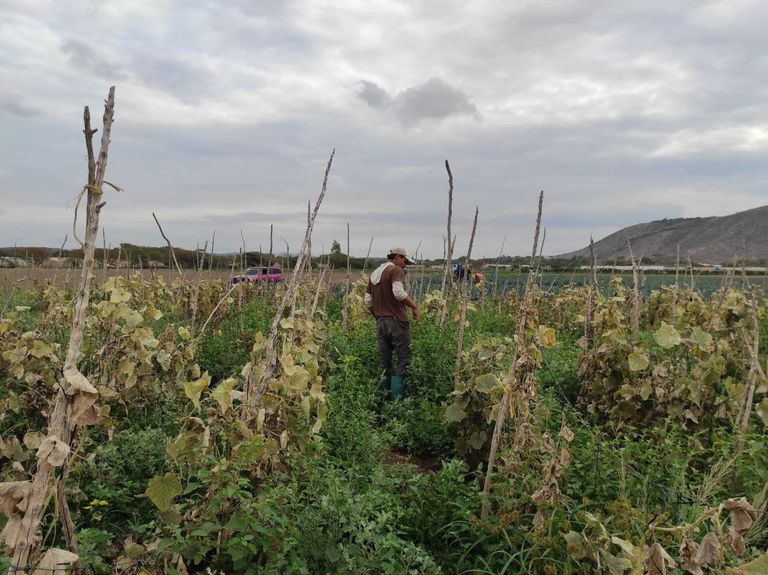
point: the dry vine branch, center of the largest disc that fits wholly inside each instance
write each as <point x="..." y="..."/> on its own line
<point x="255" y="391"/>
<point x="512" y="376"/>
<point x="60" y="424"/>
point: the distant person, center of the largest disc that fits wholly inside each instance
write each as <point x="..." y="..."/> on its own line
<point x="387" y="300"/>
<point x="459" y="271"/>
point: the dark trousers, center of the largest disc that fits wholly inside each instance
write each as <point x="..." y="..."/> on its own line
<point x="394" y="335"/>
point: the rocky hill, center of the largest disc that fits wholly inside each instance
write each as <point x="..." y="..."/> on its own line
<point x="713" y="240"/>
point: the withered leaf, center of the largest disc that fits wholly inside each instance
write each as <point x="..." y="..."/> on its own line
<point x="657" y="560"/>
<point x="710" y="551"/>
<point x="78" y="382"/>
<point x="743" y="515"/>
<point x="12" y="533"/>
<point x="33" y="439"/>
<point x="615" y="565"/>
<point x="54" y="561"/>
<point x="689" y="552"/>
<point x="735" y="541"/>
<point x="13" y="496"/>
<point x="53" y="450"/>
<point x="566" y="433"/>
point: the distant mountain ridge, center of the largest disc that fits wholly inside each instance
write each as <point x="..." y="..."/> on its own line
<point x="712" y="240"/>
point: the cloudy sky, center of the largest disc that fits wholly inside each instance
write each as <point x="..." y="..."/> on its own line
<point x="227" y="111"/>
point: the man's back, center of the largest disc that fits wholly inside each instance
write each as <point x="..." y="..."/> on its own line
<point x="380" y="286"/>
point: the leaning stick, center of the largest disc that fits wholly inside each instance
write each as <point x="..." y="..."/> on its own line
<point x="316" y="299"/>
<point x="254" y="393"/>
<point x="512" y="376"/>
<point x="368" y="254"/>
<point x="449" y="252"/>
<point x="170" y="247"/>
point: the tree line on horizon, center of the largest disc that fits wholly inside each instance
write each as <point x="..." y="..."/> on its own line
<point x="135" y="256"/>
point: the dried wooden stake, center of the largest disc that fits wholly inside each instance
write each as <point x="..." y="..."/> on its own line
<point x="512" y="376"/>
<point x="449" y="250"/>
<point x="593" y="263"/>
<point x="60" y="424"/>
<point x="634" y="320"/>
<point x="368" y="254"/>
<point x="464" y="302"/>
<point x="348" y="286"/>
<point x="590" y="303"/>
<point x="498" y="263"/>
<point x="318" y="289"/>
<point x="755" y="371"/>
<point x="210" y="260"/>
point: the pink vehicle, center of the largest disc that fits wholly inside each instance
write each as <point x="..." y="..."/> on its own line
<point x="268" y="274"/>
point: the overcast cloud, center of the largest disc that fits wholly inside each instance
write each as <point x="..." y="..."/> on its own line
<point x="227" y="111"/>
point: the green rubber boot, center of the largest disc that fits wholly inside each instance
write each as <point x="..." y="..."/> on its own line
<point x="397" y="387"/>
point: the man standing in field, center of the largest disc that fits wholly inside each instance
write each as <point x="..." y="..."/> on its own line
<point x="387" y="300"/>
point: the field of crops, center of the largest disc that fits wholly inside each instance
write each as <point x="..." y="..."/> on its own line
<point x="210" y="435"/>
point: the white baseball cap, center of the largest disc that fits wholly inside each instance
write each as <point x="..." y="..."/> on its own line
<point x="401" y="252"/>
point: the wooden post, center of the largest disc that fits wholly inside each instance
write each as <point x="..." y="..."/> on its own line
<point x="60" y="425"/>
<point x="634" y="320"/>
<point x="512" y="375"/>
<point x="464" y="301"/>
<point x="449" y="250"/>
